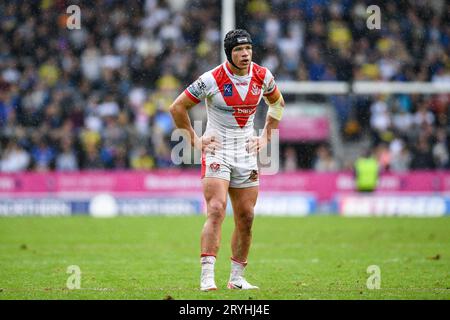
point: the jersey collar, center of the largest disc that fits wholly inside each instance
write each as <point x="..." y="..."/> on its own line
<point x="231" y="74"/>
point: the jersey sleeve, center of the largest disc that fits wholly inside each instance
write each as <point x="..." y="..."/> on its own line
<point x="269" y="85"/>
<point x="198" y="90"/>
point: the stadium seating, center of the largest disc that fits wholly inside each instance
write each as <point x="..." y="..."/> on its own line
<point x="97" y="97"/>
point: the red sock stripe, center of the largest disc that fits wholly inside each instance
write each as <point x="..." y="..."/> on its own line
<point x="207" y="255"/>
<point x="240" y="262"/>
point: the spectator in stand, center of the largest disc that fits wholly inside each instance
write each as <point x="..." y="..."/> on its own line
<point x="383" y="156"/>
<point x="422" y="158"/>
<point x="43" y="154"/>
<point x="66" y="160"/>
<point x="14" y="158"/>
<point x="290" y="160"/>
<point x="401" y="161"/>
<point x="324" y="161"/>
<point x="141" y="160"/>
<point x="92" y="159"/>
<point x="440" y="149"/>
<point x="380" y="120"/>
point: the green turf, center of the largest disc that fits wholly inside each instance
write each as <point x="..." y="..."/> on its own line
<point x="322" y="257"/>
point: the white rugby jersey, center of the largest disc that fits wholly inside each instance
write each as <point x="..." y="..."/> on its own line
<point x="231" y="100"/>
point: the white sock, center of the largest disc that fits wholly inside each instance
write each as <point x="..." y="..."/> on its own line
<point x="237" y="270"/>
<point x="208" y="263"/>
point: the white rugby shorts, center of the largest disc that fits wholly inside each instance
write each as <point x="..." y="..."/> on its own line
<point x="240" y="169"/>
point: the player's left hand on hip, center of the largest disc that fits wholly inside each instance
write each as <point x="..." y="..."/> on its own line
<point x="255" y="144"/>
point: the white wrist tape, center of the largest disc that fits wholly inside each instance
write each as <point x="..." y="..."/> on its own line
<point x="275" y="109"/>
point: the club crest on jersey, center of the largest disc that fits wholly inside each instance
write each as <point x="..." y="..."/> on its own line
<point x="215" y="167"/>
<point x="227" y="90"/>
<point x="254" y="175"/>
<point x="255" y="89"/>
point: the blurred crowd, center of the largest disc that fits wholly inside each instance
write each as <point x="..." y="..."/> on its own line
<point x="328" y="40"/>
<point x="410" y="132"/>
<point x="97" y="97"/>
<point x="316" y="40"/>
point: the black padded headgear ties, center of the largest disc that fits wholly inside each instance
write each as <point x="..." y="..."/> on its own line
<point x="235" y="38"/>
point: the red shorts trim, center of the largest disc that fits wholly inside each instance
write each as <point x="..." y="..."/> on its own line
<point x="203" y="165"/>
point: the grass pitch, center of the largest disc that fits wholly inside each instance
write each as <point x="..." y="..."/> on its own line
<point x="321" y="257"/>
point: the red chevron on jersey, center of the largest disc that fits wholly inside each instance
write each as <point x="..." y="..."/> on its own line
<point x="242" y="113"/>
<point x="243" y="108"/>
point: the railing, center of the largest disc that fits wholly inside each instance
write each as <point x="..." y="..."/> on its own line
<point x="362" y="87"/>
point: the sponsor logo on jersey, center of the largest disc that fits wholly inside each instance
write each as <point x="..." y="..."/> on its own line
<point x="244" y="83"/>
<point x="271" y="85"/>
<point x="215" y="167"/>
<point x="256" y="90"/>
<point x="197" y="88"/>
<point x="244" y="111"/>
<point x="227" y="90"/>
<point x="200" y="84"/>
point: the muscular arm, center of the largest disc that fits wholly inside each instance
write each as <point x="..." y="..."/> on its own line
<point x="179" y="111"/>
<point x="257" y="143"/>
<point x="272" y="123"/>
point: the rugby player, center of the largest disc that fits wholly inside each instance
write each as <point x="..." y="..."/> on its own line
<point x="232" y="92"/>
